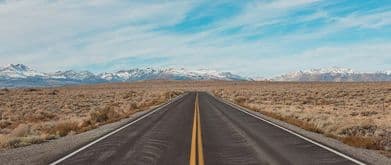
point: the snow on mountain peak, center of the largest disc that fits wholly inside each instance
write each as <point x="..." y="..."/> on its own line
<point x="167" y="73"/>
<point x="333" y="74"/>
<point x="336" y="70"/>
<point x="17" y="67"/>
<point x="18" y="71"/>
<point x="71" y="74"/>
<point x="21" y="75"/>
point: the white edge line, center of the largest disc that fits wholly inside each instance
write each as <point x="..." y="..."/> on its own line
<point x="113" y="132"/>
<point x="296" y="134"/>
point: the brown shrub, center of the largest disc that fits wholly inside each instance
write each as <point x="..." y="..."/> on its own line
<point x="133" y="105"/>
<point x="5" y="124"/>
<point x="53" y="92"/>
<point x="5" y="90"/>
<point x="104" y="114"/>
<point x="14" y="142"/>
<point x="240" y="100"/>
<point x="300" y="123"/>
<point x="363" y="142"/>
<point x="9" y="142"/>
<point x="369" y="113"/>
<point x="362" y="130"/>
<point x="62" y="128"/>
<point x="32" y="90"/>
<point x="86" y="125"/>
<point x="21" y="130"/>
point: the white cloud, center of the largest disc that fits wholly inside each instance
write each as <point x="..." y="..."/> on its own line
<point x="373" y="20"/>
<point x="33" y="31"/>
<point x="360" y="57"/>
<point x="64" y="34"/>
<point x="285" y="4"/>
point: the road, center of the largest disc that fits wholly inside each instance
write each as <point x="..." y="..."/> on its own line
<point x="199" y="129"/>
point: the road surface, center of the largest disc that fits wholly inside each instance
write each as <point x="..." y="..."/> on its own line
<point x="199" y="129"/>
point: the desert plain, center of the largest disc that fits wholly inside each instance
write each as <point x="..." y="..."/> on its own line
<point x="358" y="114"/>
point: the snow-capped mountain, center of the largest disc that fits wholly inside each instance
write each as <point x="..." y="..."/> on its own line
<point x="332" y="70"/>
<point x="23" y="76"/>
<point x="168" y="74"/>
<point x="18" y="71"/>
<point x="20" y="75"/>
<point x="73" y="75"/>
<point x="334" y="74"/>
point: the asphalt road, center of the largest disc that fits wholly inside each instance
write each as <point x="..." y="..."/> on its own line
<point x="199" y="129"/>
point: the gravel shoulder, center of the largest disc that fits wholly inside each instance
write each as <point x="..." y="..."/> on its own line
<point x="47" y="152"/>
<point x="368" y="156"/>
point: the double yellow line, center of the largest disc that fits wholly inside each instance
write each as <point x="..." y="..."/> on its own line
<point x="196" y="152"/>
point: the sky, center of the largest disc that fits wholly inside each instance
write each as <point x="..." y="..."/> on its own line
<point x="252" y="38"/>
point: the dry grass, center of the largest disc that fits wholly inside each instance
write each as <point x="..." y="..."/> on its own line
<point x="363" y="142"/>
<point x="35" y="115"/>
<point x="358" y="114"/>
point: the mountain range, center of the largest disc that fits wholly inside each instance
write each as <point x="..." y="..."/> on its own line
<point x="334" y="74"/>
<point x="19" y="75"/>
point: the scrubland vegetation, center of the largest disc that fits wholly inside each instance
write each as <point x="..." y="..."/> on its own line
<point x="358" y="114"/>
<point x="30" y="116"/>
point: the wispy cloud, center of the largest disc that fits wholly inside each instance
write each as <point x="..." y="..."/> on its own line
<point x="250" y="37"/>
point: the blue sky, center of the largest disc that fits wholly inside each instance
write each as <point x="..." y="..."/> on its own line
<point x="254" y="38"/>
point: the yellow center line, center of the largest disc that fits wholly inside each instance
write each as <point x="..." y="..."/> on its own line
<point x="196" y="158"/>
<point x="200" y="150"/>
<point x="193" y="142"/>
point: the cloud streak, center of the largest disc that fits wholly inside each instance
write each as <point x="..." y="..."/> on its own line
<point x="261" y="38"/>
